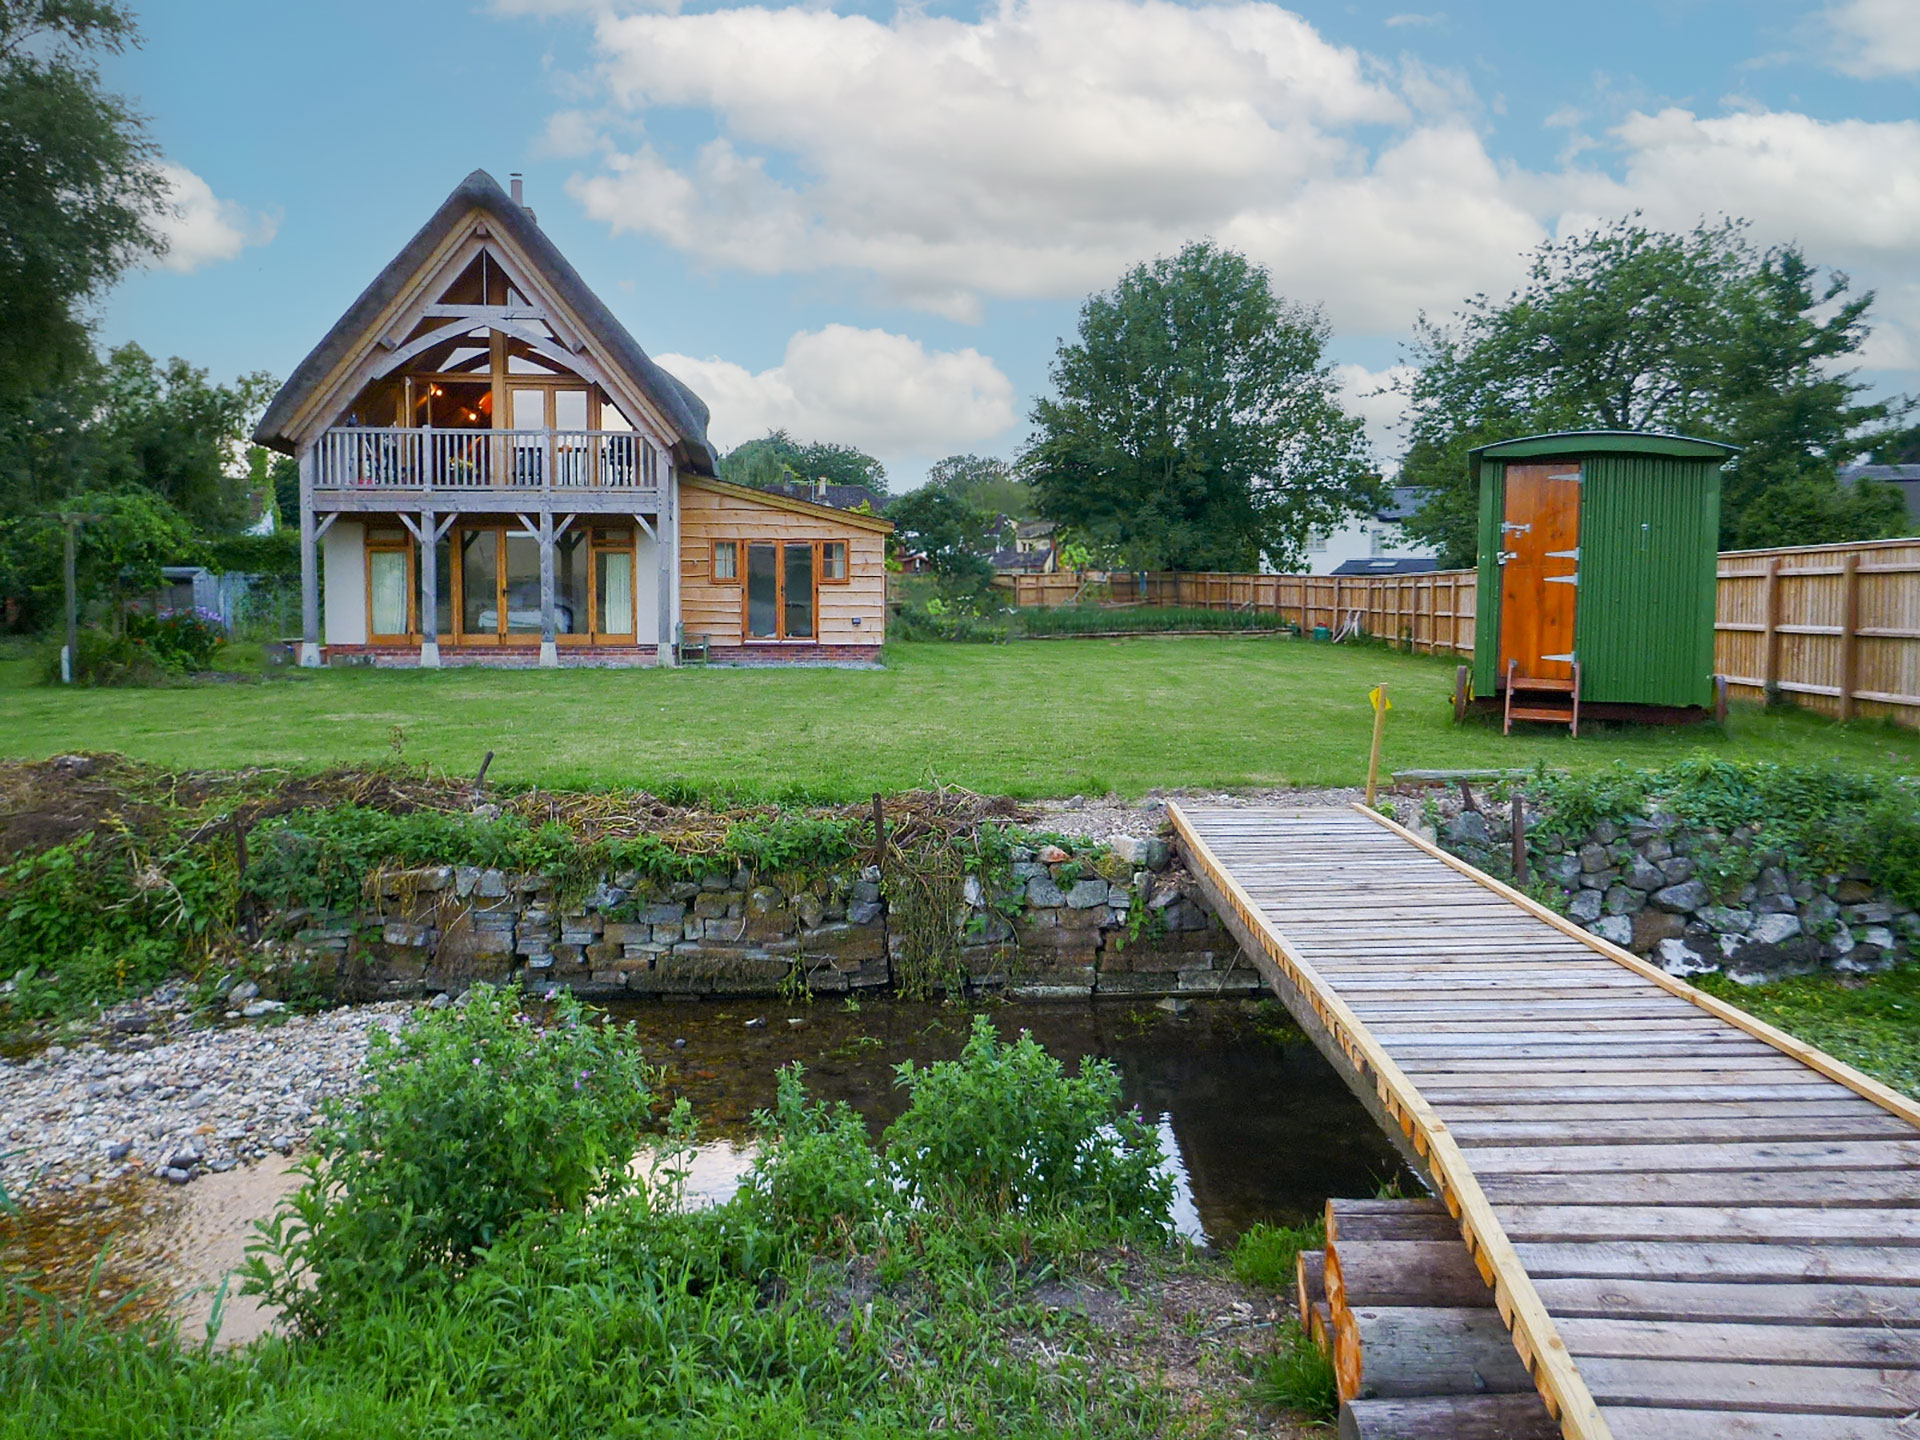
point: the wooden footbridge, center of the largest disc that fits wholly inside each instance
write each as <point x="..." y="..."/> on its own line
<point x="1695" y="1226"/>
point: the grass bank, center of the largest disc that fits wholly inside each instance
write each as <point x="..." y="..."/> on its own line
<point x="1083" y="716"/>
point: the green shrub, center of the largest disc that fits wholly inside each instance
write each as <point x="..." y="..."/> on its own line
<point x="1140" y="620"/>
<point x="910" y="623"/>
<point x="468" y="1121"/>
<point x="1005" y="1128"/>
<point x="817" y="1175"/>
<point x="1264" y="1256"/>
<point x="182" y="641"/>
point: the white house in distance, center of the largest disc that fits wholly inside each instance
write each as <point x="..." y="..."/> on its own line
<point x="1375" y="544"/>
<point x="493" y="472"/>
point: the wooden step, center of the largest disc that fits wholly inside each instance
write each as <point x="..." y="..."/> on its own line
<point x="1559" y="715"/>
<point x="1563" y="686"/>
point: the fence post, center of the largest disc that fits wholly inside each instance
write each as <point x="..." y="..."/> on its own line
<point x="1849" y="634"/>
<point x="1770" y="638"/>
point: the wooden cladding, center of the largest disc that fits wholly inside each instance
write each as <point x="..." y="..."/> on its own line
<point x="1831" y="628"/>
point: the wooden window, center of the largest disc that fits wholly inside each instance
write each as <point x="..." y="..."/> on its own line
<point x="726" y="561"/>
<point x="833" y="562"/>
<point x="389" y="592"/>
<point x="496" y="575"/>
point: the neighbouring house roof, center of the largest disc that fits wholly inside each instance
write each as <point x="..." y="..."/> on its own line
<point x="839" y="497"/>
<point x="1905" y="478"/>
<point x="777" y="501"/>
<point x="1035" y="529"/>
<point x="1012" y="559"/>
<point x="354" y="332"/>
<point x="1388" y="565"/>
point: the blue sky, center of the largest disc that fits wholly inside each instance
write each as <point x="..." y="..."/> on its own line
<point x="871" y="223"/>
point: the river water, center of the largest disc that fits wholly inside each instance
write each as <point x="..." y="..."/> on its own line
<point x="1256" y="1126"/>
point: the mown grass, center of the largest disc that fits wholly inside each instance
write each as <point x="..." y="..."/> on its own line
<point x="1028" y="720"/>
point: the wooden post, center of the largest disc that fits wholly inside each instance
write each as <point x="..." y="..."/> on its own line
<point x="1519" y="826"/>
<point x="1849" y="634"/>
<point x="70" y="660"/>
<point x="309" y="567"/>
<point x="549" y="648"/>
<point x="429" y="539"/>
<point x="879" y="831"/>
<point x="1380" y="707"/>
<point x="666" y="553"/>
<point x="1462" y="678"/>
<point x="1770" y="636"/>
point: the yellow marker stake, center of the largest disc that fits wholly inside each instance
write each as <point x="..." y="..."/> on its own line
<point x="1381" y="704"/>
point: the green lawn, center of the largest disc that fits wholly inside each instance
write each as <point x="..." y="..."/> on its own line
<point x="1033" y="719"/>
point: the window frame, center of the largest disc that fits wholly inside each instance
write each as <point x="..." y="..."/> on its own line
<point x="820" y="563"/>
<point x="713" y="562"/>
<point x="407" y="549"/>
<point x="592" y="636"/>
<point x="779" y="544"/>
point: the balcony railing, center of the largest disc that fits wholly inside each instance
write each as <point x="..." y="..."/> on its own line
<point x="367" y="457"/>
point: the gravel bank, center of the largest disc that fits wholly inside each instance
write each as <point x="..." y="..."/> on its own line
<point x="1103" y="817"/>
<point x="176" y="1107"/>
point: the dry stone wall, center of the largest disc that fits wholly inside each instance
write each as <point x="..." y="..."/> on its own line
<point x="1117" y="918"/>
<point x="1697" y="902"/>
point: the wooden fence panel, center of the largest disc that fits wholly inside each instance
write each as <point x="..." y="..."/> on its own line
<point x="1834" y="628"/>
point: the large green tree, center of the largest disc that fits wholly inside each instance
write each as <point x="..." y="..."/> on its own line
<point x="80" y="185"/>
<point x="956" y="536"/>
<point x="984" y="482"/>
<point x="1196" y="424"/>
<point x="1629" y="328"/>
<point x="776" y="458"/>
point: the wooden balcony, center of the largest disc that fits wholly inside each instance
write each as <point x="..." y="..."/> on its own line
<point x="368" y="468"/>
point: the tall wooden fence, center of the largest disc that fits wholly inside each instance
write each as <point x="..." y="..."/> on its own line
<point x="1431" y="613"/>
<point x="1833" y="628"/>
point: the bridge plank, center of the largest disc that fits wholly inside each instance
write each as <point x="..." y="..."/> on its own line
<point x="1744" y="1222"/>
<point x="1733" y="1155"/>
<point x="1774" y="1386"/>
<point x="1709" y="1187"/>
<point x="1579" y="1131"/>
<point x="1636" y="1423"/>
<point x="1871" y="1346"/>
<point x="1747" y="1265"/>
<point x="1774" y="1302"/>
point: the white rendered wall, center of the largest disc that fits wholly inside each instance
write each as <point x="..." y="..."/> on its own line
<point x="1365" y="539"/>
<point x="343" y="558"/>
<point x="646" y="590"/>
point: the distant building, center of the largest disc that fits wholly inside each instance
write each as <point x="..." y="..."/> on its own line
<point x="1904" y="478"/>
<point x="1378" y="536"/>
<point x="825" y="492"/>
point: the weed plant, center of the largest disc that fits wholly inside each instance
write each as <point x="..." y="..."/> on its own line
<point x="1297" y="1375"/>
<point x="1264" y="1256"/>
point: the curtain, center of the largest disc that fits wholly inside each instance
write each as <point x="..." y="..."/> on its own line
<point x="616" y="592"/>
<point x="389" y="577"/>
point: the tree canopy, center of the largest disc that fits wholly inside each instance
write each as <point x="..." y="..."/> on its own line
<point x="1629" y="328"/>
<point x="1196" y="425"/>
<point x="80" y="184"/>
<point x="776" y="458"/>
<point x="986" y="483"/>
<point x="957" y="537"/>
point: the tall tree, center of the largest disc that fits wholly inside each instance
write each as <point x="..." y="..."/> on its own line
<point x="80" y="186"/>
<point x="984" y="482"/>
<point x="1628" y="328"/>
<point x="1196" y="425"/>
<point x="776" y="458"/>
<point x="957" y="537"/>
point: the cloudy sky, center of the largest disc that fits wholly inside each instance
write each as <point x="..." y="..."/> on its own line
<point x="872" y="223"/>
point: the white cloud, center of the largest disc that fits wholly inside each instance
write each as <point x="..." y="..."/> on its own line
<point x="202" y="229"/>
<point x="1040" y="149"/>
<point x="1876" y="37"/>
<point x="1438" y="17"/>
<point x="885" y="393"/>
<point x="1375" y="396"/>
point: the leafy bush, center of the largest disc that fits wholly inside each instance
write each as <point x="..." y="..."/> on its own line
<point x="468" y="1121"/>
<point x="817" y="1175"/>
<point x="182" y="640"/>
<point x="911" y="624"/>
<point x="1005" y="1128"/>
<point x="1264" y="1256"/>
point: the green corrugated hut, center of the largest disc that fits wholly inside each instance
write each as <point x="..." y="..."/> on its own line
<point x="1598" y="555"/>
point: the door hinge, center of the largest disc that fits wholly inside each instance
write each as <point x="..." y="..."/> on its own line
<point x="1573" y="476"/>
<point x="1503" y="556"/>
<point x="1510" y="527"/>
<point x="1573" y="579"/>
<point x="1573" y="554"/>
<point x="1566" y="659"/>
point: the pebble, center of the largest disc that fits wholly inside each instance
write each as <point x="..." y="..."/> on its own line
<point x="197" y="1101"/>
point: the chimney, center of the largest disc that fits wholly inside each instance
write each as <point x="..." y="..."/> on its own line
<point x="517" y="190"/>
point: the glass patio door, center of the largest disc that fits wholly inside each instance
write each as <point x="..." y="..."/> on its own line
<point x="780" y="590"/>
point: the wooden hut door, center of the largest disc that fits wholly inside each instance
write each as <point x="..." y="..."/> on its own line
<point x="1540" y="563"/>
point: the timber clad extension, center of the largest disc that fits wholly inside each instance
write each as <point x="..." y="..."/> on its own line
<point x="493" y="472"/>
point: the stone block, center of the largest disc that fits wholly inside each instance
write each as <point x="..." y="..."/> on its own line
<point x="1774" y="929"/>
<point x="663" y="912"/>
<point x="1676" y="957"/>
<point x="1593" y="857"/>
<point x="1651" y="927"/>
<point x="1643" y="875"/>
<point x="808" y="909"/>
<point x="1137" y="982"/>
<point x="1687" y="896"/>
<point x="1615" y="928"/>
<point x="626" y="932"/>
<point x="1084" y="918"/>
<point x="843" y="944"/>
<point x="492" y="885"/>
<point x="1044" y="894"/>
<point x="399" y="932"/>
<point x="1623" y="900"/>
<point x="864" y="912"/>
<point x="1820" y="910"/>
<point x="1853" y="891"/>
<point x="1677" y="870"/>
<point x="769" y="924"/>
<point x="1726" y="921"/>
<point x="1085" y="894"/>
<point x="1114" y="867"/>
<point x="1584" y="906"/>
